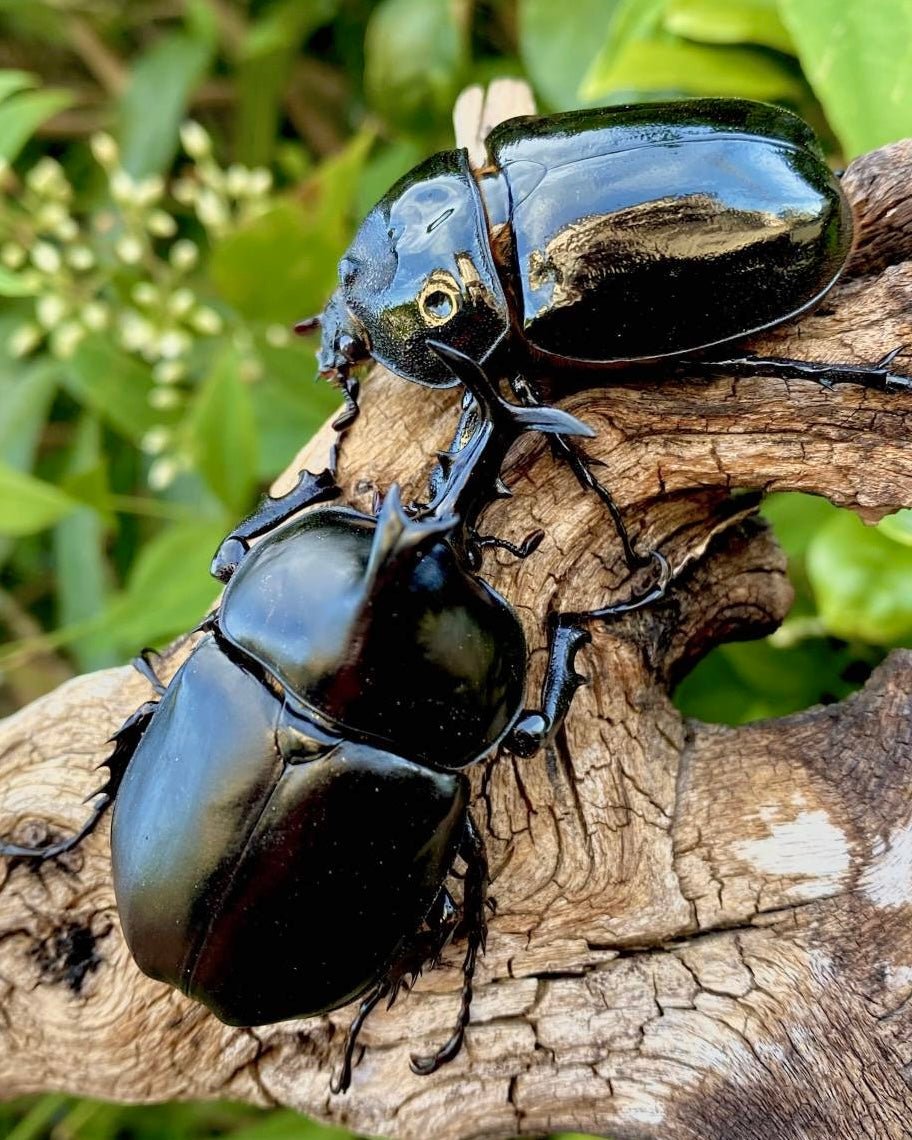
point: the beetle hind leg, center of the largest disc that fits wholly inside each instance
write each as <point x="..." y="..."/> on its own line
<point x="879" y="375"/>
<point x="341" y="1080"/>
<point x="474" y="926"/>
<point x="125" y="742"/>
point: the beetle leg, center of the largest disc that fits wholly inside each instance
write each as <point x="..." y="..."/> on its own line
<point x="528" y="546"/>
<point x="422" y="949"/>
<point x="143" y="665"/>
<point x="563" y="449"/>
<point x="341" y="1080"/>
<point x="270" y="513"/>
<point x="535" y="728"/>
<point x="125" y="742"/>
<point x="345" y="419"/>
<point x="474" y="925"/>
<point x="654" y="594"/>
<point x="879" y="375"/>
<point x="567" y="636"/>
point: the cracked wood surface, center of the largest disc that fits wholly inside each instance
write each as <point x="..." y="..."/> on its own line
<point x="702" y="932"/>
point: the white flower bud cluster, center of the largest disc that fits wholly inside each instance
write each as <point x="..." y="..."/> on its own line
<point x="127" y="270"/>
<point x="220" y="198"/>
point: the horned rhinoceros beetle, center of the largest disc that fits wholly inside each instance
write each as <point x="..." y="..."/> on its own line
<point x="287" y="812"/>
<point x="598" y="239"/>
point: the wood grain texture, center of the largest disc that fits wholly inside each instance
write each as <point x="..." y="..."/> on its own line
<point x="702" y="932"/>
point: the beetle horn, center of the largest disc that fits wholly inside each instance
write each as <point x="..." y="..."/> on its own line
<point x="309" y="325"/>
<point x="494" y="407"/>
<point x="397" y="533"/>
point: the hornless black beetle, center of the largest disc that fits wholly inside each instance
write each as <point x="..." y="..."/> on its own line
<point x="287" y="812"/>
<point x="598" y="239"/>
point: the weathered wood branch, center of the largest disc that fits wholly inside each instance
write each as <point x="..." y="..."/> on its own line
<point x="701" y="931"/>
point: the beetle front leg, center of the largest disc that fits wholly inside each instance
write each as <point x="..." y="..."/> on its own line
<point x="344" y="420"/>
<point x="564" y="449"/>
<point x="568" y="634"/>
<point x="537" y="727"/>
<point x="879" y="376"/>
<point x="270" y="513"/>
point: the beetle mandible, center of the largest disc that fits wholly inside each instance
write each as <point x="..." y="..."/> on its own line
<point x="648" y="235"/>
<point x="288" y="809"/>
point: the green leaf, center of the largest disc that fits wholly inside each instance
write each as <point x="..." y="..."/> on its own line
<point x="24" y="406"/>
<point x="12" y="81"/>
<point x="858" y="59"/>
<point x="898" y="527"/>
<point x="556" y="51"/>
<point x="725" y="22"/>
<point x="796" y="518"/>
<point x="632" y="20"/>
<point x="28" y="505"/>
<point x="169" y="589"/>
<point x="23" y="113"/>
<point x="862" y="581"/>
<point x="287" y="1125"/>
<point x="289" y="405"/>
<point x="416" y="53"/>
<point x="282" y="266"/>
<point x="11" y="285"/>
<point x="81" y="569"/>
<point x="222" y="435"/>
<point x="114" y="385"/>
<point x="267" y="56"/>
<point x="752" y="680"/>
<point x="155" y="102"/>
<point x="694" y="69"/>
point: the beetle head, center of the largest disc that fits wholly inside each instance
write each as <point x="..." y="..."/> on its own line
<point x="343" y="341"/>
<point x="419" y="269"/>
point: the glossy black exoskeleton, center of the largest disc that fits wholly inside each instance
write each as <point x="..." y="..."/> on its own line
<point x="287" y="812"/>
<point x="599" y="239"/>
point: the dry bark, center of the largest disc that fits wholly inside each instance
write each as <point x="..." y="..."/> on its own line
<point x="701" y="931"/>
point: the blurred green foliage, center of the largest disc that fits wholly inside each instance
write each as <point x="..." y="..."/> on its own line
<point x="148" y="275"/>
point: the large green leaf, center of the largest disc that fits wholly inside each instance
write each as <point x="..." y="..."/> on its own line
<point x="416" y="54"/>
<point x="898" y="527"/>
<point x="29" y="505"/>
<point x="289" y="405"/>
<point x="12" y="285"/>
<point x="667" y="64"/>
<point x="22" y="114"/>
<point x="862" y="580"/>
<point x="858" y="58"/>
<point x="631" y="20"/>
<point x="728" y="22"/>
<point x="282" y="266"/>
<point x="155" y="102"/>
<point x="82" y="578"/>
<point x="556" y="50"/>
<point x="12" y="81"/>
<point x="116" y="386"/>
<point x="267" y="56"/>
<point x="222" y="433"/>
<point x="752" y="680"/>
<point x="169" y="589"/>
<point x="24" y="405"/>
